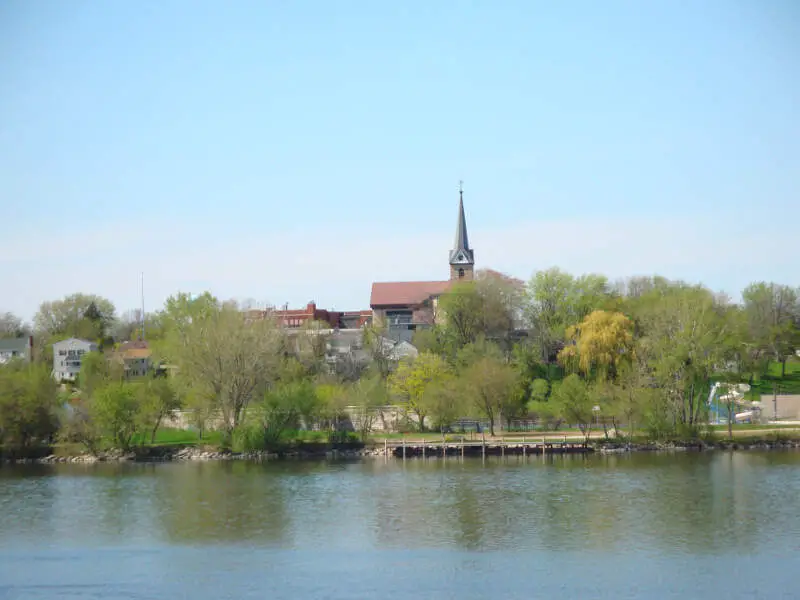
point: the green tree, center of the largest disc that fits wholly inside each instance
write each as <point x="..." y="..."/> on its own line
<point x="488" y="307"/>
<point x="157" y="400"/>
<point x="97" y="371"/>
<point x="85" y="316"/>
<point x="28" y="404"/>
<point x="114" y="409"/>
<point x="221" y="357"/>
<point x="575" y="404"/>
<point x="493" y="387"/>
<point x="279" y="411"/>
<point x="771" y="311"/>
<point x="413" y="377"/>
<point x="631" y="395"/>
<point x="444" y="400"/>
<point x="368" y="395"/>
<point x="687" y="336"/>
<point x="556" y="300"/>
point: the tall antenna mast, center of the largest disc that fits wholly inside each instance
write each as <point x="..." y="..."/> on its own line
<point x="142" y="305"/>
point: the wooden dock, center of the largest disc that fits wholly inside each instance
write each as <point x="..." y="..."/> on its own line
<point x="516" y="447"/>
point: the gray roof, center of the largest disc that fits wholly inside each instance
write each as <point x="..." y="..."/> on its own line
<point x="14" y="344"/>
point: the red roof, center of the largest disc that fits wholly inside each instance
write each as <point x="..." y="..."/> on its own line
<point x="405" y="293"/>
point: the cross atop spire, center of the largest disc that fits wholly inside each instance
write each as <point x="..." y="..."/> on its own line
<point x="461" y="256"/>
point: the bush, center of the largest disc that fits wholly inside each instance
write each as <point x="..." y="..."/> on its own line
<point x="250" y="437"/>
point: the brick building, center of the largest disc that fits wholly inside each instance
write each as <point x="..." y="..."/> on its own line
<point x="294" y="318"/>
<point x="404" y="306"/>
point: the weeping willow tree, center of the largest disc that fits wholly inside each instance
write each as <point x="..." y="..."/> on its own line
<point x="600" y="345"/>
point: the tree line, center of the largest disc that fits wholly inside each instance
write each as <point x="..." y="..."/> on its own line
<point x="559" y="350"/>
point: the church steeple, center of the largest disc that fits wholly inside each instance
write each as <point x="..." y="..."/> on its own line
<point x="462" y="258"/>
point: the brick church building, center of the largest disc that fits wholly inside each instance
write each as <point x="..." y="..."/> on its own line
<point x="404" y="306"/>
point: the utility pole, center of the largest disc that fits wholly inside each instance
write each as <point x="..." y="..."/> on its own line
<point x="142" y="305"/>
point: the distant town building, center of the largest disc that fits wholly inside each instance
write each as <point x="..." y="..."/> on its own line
<point x="134" y="357"/>
<point x="16" y="348"/>
<point x="68" y="356"/>
<point x="296" y="318"/>
<point x="404" y="306"/>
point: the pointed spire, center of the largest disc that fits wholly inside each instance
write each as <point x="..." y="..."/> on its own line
<point x="462" y="239"/>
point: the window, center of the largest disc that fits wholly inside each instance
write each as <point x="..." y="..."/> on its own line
<point x="461" y="273"/>
<point x="398" y="317"/>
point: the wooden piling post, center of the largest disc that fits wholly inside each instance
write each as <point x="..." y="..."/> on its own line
<point x="404" y="447"/>
<point x="423" y="447"/>
<point x="463" y="443"/>
<point x="524" y="447"/>
<point x="385" y="447"/>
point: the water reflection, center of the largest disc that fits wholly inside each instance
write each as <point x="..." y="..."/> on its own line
<point x="676" y="504"/>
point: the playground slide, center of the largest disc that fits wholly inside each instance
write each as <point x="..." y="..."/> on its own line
<point x="718" y="411"/>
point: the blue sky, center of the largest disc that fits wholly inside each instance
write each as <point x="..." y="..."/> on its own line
<point x="288" y="151"/>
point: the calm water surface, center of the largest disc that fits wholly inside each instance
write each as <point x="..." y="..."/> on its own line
<point x="722" y="525"/>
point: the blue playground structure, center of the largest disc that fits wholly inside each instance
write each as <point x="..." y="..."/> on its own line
<point x="732" y="396"/>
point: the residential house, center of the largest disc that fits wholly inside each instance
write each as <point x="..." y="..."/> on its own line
<point x="135" y="357"/>
<point x="16" y="348"/>
<point x="404" y="306"/>
<point x="67" y="357"/>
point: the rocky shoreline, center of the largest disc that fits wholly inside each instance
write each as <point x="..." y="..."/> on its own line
<point x="192" y="453"/>
<point x="199" y="454"/>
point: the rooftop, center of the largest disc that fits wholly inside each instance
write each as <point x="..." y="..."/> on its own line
<point x="405" y="293"/>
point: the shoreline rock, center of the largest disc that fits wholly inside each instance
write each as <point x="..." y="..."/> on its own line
<point x="193" y="453"/>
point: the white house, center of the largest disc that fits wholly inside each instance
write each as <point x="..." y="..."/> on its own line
<point x="67" y="356"/>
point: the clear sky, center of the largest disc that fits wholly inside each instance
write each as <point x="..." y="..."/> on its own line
<point x="289" y="151"/>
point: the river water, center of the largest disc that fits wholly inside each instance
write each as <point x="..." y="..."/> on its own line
<point x="654" y="526"/>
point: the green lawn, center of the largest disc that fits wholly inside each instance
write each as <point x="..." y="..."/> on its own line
<point x="170" y="437"/>
<point x="789" y="384"/>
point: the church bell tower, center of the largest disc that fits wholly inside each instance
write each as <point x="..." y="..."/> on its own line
<point x="462" y="258"/>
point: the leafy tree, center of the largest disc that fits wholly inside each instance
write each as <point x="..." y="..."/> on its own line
<point x="444" y="400"/>
<point x="575" y="404"/>
<point x="630" y="395"/>
<point x="488" y="307"/>
<point x="687" y="338"/>
<point x="556" y="301"/>
<point x="11" y="326"/>
<point x="78" y="426"/>
<point x="114" y="409"/>
<point x="369" y="394"/>
<point x="771" y="311"/>
<point x="412" y="379"/>
<point x="333" y="400"/>
<point x="97" y="371"/>
<point x="85" y="316"/>
<point x="540" y="390"/>
<point x="526" y="359"/>
<point x="28" y="404"/>
<point x="493" y="387"/>
<point x="539" y="404"/>
<point x="279" y="411"/>
<point x="223" y="358"/>
<point x="157" y="400"/>
<point x="601" y="343"/>
<point x="129" y="327"/>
